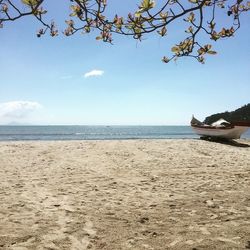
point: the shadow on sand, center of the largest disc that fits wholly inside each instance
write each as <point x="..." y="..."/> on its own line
<point x="227" y="142"/>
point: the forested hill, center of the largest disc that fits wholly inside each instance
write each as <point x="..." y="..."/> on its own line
<point x="241" y="114"/>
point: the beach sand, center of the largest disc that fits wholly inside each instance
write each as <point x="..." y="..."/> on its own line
<point x="137" y="194"/>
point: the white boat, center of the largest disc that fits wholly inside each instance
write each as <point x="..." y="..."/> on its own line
<point x="219" y="129"/>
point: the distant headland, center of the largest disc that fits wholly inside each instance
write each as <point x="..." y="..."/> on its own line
<point x="241" y="114"/>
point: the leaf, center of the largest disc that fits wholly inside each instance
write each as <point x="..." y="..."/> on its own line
<point x="201" y="51"/>
<point x="137" y="14"/>
<point x="164" y="15"/>
<point x="163" y="31"/>
<point x="165" y="59"/>
<point x="175" y="49"/>
<point x="201" y="59"/>
<point x="208" y="47"/>
<point x="190" y="30"/>
<point x="191" y="17"/>
<point x="30" y="2"/>
<point x="146" y="5"/>
<point x="87" y="29"/>
<point x="211" y="52"/>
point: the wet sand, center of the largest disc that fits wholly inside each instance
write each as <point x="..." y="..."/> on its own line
<point x="138" y="194"/>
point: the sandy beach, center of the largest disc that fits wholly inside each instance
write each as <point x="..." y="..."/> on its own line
<point x="137" y="194"/>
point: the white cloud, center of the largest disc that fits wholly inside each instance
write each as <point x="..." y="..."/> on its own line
<point x="94" y="72"/>
<point x="16" y="111"/>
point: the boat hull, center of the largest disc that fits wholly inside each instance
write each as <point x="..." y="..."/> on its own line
<point x="225" y="133"/>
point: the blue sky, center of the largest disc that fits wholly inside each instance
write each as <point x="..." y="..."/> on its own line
<point x="42" y="80"/>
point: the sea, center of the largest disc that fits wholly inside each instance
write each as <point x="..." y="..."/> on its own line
<point x="46" y="133"/>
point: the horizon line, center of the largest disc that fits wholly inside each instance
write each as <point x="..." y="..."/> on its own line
<point x="101" y="125"/>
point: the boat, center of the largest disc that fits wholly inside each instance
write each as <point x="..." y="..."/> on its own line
<point x="220" y="129"/>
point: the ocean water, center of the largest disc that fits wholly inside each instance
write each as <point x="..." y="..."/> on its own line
<point x="17" y="133"/>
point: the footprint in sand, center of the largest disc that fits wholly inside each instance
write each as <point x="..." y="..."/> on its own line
<point x="57" y="208"/>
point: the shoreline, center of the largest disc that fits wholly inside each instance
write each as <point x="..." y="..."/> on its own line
<point x="124" y="194"/>
<point x="121" y="139"/>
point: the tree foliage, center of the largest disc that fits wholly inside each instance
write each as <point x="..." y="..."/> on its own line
<point x="199" y="16"/>
<point x="241" y="114"/>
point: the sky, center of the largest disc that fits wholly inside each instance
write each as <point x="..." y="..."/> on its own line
<point x="78" y="80"/>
